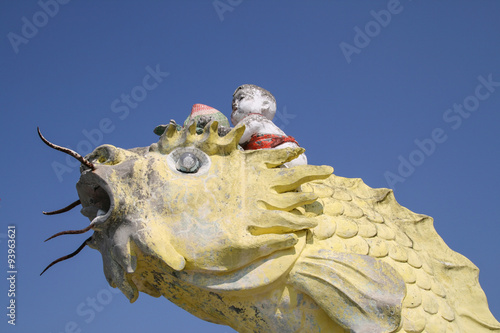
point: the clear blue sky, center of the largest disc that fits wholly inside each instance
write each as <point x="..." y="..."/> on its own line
<point x="366" y="103"/>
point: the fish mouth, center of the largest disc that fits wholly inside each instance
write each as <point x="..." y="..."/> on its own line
<point x="96" y="199"/>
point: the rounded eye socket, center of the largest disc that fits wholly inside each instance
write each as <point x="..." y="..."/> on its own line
<point x="188" y="160"/>
<point x="188" y="163"/>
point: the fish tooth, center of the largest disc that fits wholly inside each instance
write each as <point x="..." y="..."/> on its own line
<point x="99" y="213"/>
<point x="120" y="250"/>
<point x="122" y="256"/>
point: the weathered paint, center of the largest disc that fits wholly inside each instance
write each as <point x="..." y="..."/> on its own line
<point x="260" y="248"/>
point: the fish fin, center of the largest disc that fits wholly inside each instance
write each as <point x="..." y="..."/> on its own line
<point x="358" y="292"/>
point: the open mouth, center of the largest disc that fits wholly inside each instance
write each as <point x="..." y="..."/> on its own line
<point x="93" y="192"/>
<point x="97" y="206"/>
<point x="95" y="199"/>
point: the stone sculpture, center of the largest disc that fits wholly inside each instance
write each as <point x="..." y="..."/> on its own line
<point x="201" y="114"/>
<point x="255" y="108"/>
<point x="234" y="239"/>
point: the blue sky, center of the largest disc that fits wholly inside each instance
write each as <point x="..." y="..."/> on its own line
<point x="408" y="100"/>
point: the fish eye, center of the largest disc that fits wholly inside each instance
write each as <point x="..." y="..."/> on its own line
<point x="188" y="163"/>
<point x="188" y="160"/>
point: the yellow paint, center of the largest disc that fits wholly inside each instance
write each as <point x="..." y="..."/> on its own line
<point x="260" y="248"/>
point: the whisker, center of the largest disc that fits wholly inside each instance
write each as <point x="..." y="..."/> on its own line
<point x="71" y="255"/>
<point x="65" y="209"/>
<point x="67" y="151"/>
<point x="71" y="232"/>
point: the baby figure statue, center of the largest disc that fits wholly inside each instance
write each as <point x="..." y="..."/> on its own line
<point x="255" y="107"/>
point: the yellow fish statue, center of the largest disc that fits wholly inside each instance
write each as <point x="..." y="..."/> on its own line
<point x="234" y="239"/>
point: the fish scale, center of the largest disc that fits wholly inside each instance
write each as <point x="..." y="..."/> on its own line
<point x="361" y="227"/>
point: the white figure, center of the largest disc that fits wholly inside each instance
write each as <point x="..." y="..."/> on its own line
<point x="255" y="107"/>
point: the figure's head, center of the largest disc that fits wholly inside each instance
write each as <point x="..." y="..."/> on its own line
<point x="250" y="98"/>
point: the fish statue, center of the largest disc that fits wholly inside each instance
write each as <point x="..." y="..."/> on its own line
<point x="235" y="239"/>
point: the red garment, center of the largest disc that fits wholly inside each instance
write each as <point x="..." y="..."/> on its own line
<point x="261" y="141"/>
